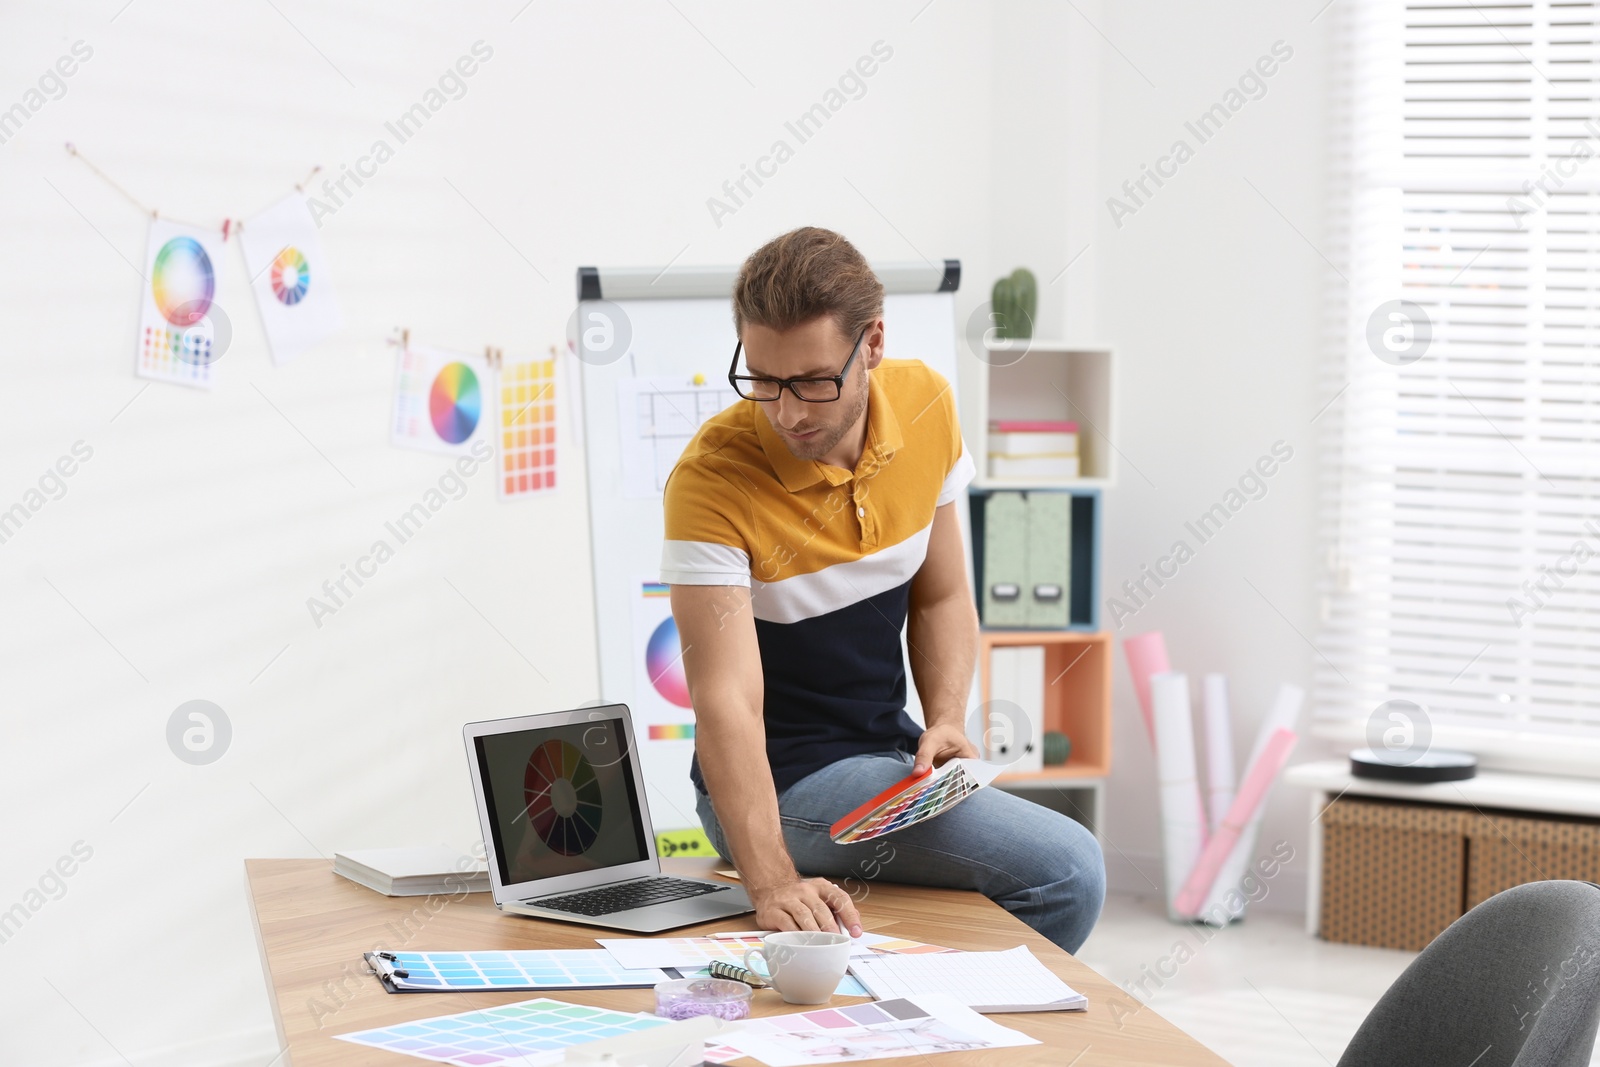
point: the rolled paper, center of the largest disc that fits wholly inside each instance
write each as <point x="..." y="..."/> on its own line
<point x="1183" y="820"/>
<point x="1219" y="749"/>
<point x="1147" y="656"/>
<point x="1283" y="715"/>
<point x="1243" y="815"/>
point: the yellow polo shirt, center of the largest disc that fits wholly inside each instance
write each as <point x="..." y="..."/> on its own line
<point x="828" y="554"/>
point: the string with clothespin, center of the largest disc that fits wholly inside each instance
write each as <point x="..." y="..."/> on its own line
<point x="228" y="224"/>
<point x="493" y="357"/>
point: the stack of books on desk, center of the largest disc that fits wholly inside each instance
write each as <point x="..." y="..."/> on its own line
<point x="413" y="872"/>
<point x="1039" y="450"/>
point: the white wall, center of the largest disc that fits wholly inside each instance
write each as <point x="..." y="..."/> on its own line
<point x="1212" y="300"/>
<point x="178" y="563"/>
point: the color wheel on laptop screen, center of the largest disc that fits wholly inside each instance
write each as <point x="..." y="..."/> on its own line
<point x="563" y="798"/>
<point x="455" y="403"/>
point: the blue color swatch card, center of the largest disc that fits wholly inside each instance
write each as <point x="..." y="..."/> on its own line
<point x="464" y="972"/>
<point x="530" y="1034"/>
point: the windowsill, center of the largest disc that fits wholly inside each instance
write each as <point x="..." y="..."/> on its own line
<point x="1548" y="794"/>
<point x="1525" y="753"/>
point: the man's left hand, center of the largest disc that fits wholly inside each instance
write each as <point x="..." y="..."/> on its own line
<point x="940" y="743"/>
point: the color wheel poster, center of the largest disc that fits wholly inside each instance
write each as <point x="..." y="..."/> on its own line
<point x="443" y="401"/>
<point x="663" y="721"/>
<point x="180" y="335"/>
<point x="289" y="274"/>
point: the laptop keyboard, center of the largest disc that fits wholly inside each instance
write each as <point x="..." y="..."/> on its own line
<point x="625" y="896"/>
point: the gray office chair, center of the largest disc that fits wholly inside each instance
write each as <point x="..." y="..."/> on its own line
<point x="1515" y="982"/>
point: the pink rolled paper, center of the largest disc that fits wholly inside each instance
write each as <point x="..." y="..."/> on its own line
<point x="1147" y="655"/>
<point x="1246" y="806"/>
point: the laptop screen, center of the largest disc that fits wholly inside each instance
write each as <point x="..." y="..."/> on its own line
<point x="561" y="800"/>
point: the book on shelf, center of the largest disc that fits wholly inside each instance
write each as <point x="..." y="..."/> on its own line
<point x="1032" y="439"/>
<point x="1033" y="467"/>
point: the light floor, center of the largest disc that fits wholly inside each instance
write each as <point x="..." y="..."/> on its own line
<point x="1260" y="993"/>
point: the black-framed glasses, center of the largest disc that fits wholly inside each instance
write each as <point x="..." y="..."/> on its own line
<point x="812" y="390"/>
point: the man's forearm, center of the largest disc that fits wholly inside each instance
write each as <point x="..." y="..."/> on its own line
<point x="733" y="760"/>
<point x="943" y="639"/>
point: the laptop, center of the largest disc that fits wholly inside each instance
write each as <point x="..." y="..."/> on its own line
<point x="562" y="802"/>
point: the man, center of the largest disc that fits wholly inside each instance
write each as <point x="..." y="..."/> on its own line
<point x="805" y="527"/>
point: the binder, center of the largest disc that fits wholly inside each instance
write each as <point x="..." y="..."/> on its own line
<point x="1016" y="676"/>
<point x="1049" y="561"/>
<point x="1005" y="559"/>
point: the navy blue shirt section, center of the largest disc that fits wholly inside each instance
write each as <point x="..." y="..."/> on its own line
<point x="835" y="687"/>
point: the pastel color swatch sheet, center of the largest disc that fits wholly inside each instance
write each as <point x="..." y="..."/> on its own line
<point x="530" y="1033"/>
<point x="592" y="968"/>
<point x="910" y="1026"/>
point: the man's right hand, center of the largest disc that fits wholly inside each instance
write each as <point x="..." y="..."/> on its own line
<point x="806" y="904"/>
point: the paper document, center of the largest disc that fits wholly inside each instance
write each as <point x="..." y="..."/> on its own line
<point x="910" y="1026"/>
<point x="1013" y="980"/>
<point x="657" y="417"/>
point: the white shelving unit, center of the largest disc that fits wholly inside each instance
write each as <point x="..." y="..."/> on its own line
<point x="1044" y="379"/>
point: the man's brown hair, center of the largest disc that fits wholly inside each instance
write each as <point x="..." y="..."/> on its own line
<point x="805" y="273"/>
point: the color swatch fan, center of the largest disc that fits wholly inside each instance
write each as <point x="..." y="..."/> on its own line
<point x="442" y="401"/>
<point x="181" y="332"/>
<point x="914" y="799"/>
<point x="289" y="275"/>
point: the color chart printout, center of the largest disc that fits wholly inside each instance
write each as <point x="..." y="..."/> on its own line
<point x="179" y="338"/>
<point x="592" y="968"/>
<point x="910" y="1026"/>
<point x="443" y="401"/>
<point x="532" y="1033"/>
<point x="527" y="427"/>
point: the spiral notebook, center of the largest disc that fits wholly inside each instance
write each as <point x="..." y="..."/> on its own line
<point x="1013" y="980"/>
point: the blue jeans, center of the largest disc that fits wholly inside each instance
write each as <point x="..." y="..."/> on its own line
<point x="1038" y="864"/>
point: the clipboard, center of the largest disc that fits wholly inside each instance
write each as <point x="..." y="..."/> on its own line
<point x="511" y="971"/>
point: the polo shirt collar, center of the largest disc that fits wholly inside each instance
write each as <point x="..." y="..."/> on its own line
<point x="883" y="437"/>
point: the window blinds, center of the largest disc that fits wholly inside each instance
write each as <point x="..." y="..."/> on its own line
<point x="1461" y="488"/>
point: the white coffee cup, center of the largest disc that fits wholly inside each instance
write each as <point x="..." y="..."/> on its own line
<point x="804" y="966"/>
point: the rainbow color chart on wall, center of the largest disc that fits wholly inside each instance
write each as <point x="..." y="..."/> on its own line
<point x="660" y="702"/>
<point x="289" y="276"/>
<point x="663" y="721"/>
<point x="181" y="331"/>
<point x="442" y="401"/>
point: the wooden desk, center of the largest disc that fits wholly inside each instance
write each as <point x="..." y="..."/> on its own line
<point x="312" y="927"/>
